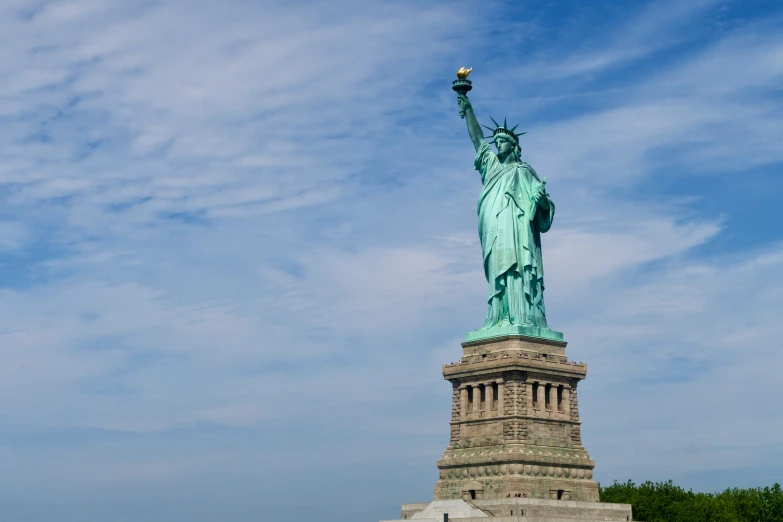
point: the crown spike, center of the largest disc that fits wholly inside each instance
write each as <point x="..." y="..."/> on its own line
<point x="504" y="130"/>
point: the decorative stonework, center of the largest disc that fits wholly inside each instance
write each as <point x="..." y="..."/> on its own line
<point x="455" y="406"/>
<point x="574" y="403"/>
<point x="530" y="470"/>
<point x="522" y="402"/>
<point x="576" y="430"/>
<point x="512" y="391"/>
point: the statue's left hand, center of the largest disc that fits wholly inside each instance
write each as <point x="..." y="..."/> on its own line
<point x="541" y="197"/>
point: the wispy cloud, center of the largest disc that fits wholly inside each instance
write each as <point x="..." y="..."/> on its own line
<point x="654" y="27"/>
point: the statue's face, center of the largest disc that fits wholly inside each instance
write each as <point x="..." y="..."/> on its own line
<point x="504" y="145"/>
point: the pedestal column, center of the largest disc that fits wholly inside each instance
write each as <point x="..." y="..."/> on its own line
<point x="501" y="395"/>
<point x="529" y="395"/>
<point x="463" y="402"/>
<point x="553" y="399"/>
<point x="489" y="392"/>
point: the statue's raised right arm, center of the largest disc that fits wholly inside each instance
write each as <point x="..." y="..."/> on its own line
<point x="466" y="111"/>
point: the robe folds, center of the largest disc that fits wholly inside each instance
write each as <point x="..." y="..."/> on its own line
<point x="510" y="227"/>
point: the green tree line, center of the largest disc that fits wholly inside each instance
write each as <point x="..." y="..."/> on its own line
<point x="666" y="502"/>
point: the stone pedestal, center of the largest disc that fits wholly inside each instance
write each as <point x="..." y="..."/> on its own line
<point x="515" y="452"/>
<point x="525" y="443"/>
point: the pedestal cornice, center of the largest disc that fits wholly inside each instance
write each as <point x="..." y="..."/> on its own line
<point x="523" y="361"/>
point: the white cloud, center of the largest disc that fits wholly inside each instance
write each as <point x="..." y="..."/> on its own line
<point x="620" y="243"/>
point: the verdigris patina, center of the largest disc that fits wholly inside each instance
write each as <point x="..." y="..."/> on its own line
<point x="514" y="209"/>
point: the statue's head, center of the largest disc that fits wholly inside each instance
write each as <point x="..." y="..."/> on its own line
<point x="506" y="140"/>
<point x="507" y="146"/>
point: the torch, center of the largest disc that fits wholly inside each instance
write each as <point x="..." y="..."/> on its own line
<point x="462" y="85"/>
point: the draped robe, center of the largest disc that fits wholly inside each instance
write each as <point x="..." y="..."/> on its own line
<point x="510" y="227"/>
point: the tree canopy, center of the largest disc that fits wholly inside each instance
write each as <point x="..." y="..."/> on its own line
<point x="666" y="502"/>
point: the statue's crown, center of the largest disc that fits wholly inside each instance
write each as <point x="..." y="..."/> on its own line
<point x="503" y="129"/>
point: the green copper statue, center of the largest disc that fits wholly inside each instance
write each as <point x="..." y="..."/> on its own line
<point x="514" y="209"/>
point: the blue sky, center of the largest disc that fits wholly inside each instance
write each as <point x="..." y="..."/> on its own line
<point x="238" y="240"/>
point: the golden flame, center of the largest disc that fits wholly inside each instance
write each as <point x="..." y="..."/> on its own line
<point x="463" y="73"/>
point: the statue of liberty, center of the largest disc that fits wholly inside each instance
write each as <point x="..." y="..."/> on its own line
<point x="514" y="209"/>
